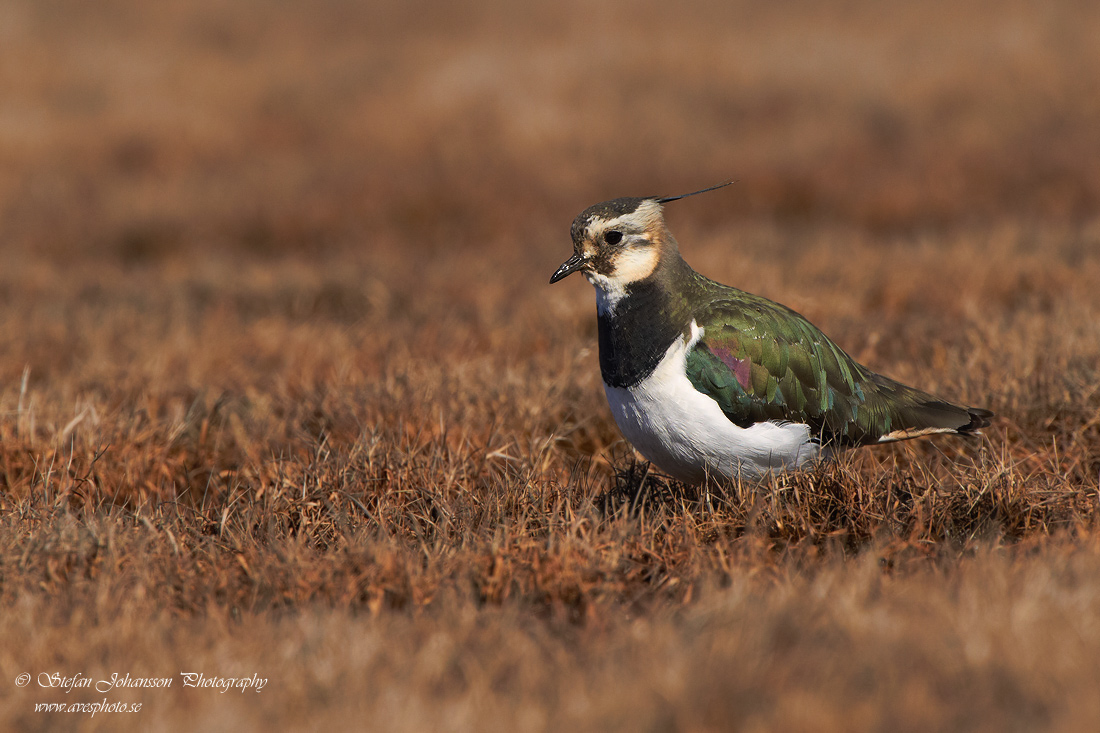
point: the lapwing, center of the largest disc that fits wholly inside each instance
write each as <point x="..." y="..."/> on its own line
<point x="706" y="380"/>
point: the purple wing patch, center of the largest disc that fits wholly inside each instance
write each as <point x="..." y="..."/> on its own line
<point x="741" y="368"/>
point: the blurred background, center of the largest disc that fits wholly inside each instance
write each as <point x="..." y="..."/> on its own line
<point x="137" y="131"/>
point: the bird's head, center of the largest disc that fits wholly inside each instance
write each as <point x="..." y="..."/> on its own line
<point x="621" y="241"/>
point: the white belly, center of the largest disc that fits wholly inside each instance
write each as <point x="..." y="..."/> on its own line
<point x="688" y="436"/>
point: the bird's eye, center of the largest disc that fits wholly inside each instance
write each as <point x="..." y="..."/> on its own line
<point x="612" y="237"/>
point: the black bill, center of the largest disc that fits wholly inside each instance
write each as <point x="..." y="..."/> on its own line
<point x="568" y="267"/>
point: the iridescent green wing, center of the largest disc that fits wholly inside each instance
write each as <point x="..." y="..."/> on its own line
<point x="761" y="361"/>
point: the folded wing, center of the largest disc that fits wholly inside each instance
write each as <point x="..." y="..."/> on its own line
<point x="762" y="361"/>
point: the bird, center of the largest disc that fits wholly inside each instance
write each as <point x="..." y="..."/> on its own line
<point x="707" y="381"/>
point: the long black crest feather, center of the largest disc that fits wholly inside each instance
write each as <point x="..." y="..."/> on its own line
<point x="666" y="199"/>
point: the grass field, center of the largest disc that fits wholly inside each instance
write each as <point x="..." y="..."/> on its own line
<point x="284" y="393"/>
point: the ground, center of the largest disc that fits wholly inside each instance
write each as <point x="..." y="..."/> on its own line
<point x="284" y="394"/>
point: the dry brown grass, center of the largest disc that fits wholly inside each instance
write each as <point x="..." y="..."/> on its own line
<point x="282" y="390"/>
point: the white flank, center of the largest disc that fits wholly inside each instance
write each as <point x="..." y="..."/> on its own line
<point x="688" y="436"/>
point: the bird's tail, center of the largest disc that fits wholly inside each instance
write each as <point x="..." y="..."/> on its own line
<point x="916" y="413"/>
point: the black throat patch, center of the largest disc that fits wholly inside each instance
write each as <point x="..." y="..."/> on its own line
<point x="635" y="335"/>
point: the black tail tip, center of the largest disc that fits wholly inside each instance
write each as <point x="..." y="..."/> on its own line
<point x="979" y="418"/>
